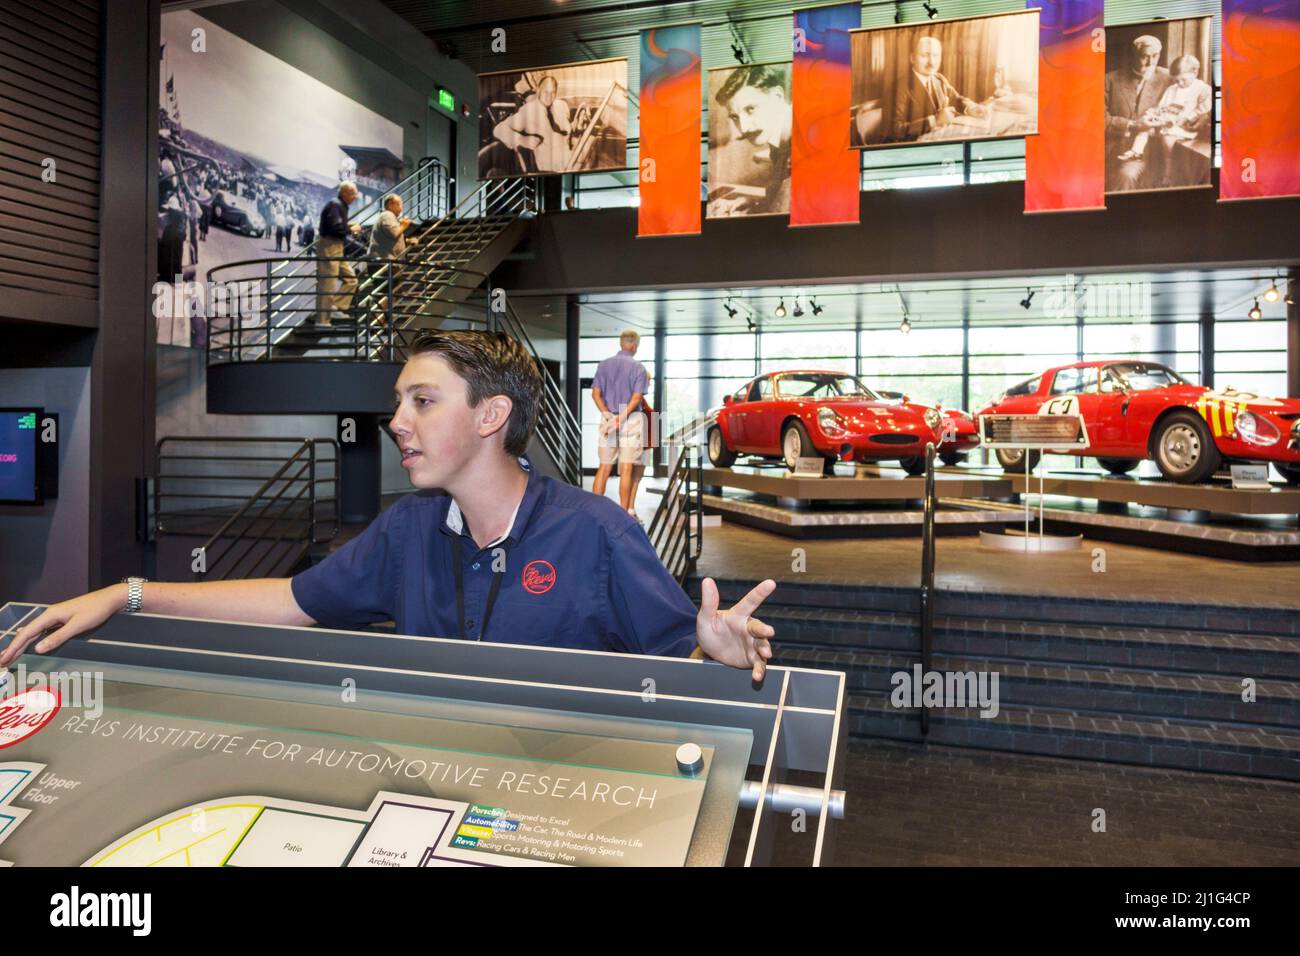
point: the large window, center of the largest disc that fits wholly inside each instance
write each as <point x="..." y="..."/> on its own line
<point x="1251" y="356"/>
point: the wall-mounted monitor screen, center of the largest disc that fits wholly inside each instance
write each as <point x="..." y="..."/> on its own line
<point x="20" y="446"/>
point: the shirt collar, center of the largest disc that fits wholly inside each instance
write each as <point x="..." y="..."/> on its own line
<point x="455" y="522"/>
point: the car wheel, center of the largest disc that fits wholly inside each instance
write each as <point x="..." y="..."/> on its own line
<point x="1013" y="459"/>
<point x="952" y="458"/>
<point x="719" y="454"/>
<point x="1184" y="450"/>
<point x="1119" y="466"/>
<point x="1289" y="473"/>
<point x="795" y="444"/>
<point x="913" y="466"/>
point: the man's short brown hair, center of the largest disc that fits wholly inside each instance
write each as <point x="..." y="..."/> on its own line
<point x="491" y="363"/>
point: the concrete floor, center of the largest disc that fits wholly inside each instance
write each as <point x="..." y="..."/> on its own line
<point x="912" y="805"/>
<point x="737" y="551"/>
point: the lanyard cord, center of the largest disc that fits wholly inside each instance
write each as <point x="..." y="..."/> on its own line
<point x="497" y="578"/>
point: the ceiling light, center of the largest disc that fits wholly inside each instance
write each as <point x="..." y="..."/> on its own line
<point x="780" y="309"/>
<point x="731" y="309"/>
<point x="1255" y="311"/>
<point x="798" y="309"/>
<point x="1024" y="303"/>
<point x="930" y="11"/>
<point x="750" y="322"/>
<point x="738" y="53"/>
<point x="1290" y="299"/>
<point x="817" y="309"/>
<point x="1271" y="294"/>
<point x="905" y="326"/>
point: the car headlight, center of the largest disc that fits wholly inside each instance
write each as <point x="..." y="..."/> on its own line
<point x="1256" y="430"/>
<point x="933" y="418"/>
<point x="829" y="421"/>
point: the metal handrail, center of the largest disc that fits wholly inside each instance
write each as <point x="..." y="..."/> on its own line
<point x="670" y="530"/>
<point x="927" y="575"/>
<point x="263" y="506"/>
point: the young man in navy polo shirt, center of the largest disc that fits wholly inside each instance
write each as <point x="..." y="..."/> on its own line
<point x="503" y="555"/>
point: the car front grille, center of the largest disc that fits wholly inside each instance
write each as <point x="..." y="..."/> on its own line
<point x="893" y="438"/>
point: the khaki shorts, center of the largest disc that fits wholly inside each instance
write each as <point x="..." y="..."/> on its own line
<point x="625" y="445"/>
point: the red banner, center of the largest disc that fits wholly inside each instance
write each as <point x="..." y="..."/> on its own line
<point x="1065" y="164"/>
<point x="1260" y="123"/>
<point x="669" y="171"/>
<point x="825" y="175"/>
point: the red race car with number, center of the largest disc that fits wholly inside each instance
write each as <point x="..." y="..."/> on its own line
<point x="1136" y="410"/>
<point x="958" y="434"/>
<point x="831" y="415"/>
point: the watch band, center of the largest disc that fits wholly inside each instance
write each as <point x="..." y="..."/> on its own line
<point x="134" y="594"/>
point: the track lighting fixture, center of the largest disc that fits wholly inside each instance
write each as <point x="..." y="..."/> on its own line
<point x="738" y="53"/>
<point x="1272" y="294"/>
<point x="1290" y="299"/>
<point x="1255" y="311"/>
<point x="817" y="309"/>
<point x="905" y="326"/>
<point x="780" y="309"/>
<point x="732" y="311"/>
<point x="798" y="309"/>
<point x="930" y="11"/>
<point x="1025" y="302"/>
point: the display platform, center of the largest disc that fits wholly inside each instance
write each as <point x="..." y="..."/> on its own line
<point x="1213" y="520"/>
<point x="172" y="741"/>
<point x="874" y="502"/>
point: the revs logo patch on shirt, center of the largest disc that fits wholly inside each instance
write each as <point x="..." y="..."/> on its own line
<point x="538" y="576"/>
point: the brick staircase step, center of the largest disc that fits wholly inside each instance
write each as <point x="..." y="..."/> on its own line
<point x="1184" y="745"/>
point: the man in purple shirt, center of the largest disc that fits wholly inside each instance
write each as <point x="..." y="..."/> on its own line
<point x="618" y="389"/>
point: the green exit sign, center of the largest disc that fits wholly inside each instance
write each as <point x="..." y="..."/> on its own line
<point x="446" y="100"/>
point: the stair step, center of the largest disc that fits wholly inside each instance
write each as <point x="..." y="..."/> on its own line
<point x="1081" y="688"/>
<point x="1161" y="648"/>
<point x="1184" y="745"/>
<point x="1260" y="618"/>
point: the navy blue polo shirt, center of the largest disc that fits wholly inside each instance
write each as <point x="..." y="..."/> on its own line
<point x="579" y="572"/>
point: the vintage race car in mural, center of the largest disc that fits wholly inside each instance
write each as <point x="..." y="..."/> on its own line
<point x="1137" y="410"/>
<point x="958" y="433"/>
<point x="831" y="415"/>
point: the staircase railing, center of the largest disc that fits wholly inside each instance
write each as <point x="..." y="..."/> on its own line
<point x="201" y="491"/>
<point x="557" y="428"/>
<point x="931" y="504"/>
<point x="677" y="529"/>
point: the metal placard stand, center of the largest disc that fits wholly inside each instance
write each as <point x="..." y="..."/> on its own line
<point x="1033" y="433"/>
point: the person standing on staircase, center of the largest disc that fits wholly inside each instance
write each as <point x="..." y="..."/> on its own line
<point x="335" y="279"/>
<point x="387" y="241"/>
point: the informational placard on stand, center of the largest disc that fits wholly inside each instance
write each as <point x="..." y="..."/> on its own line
<point x="1040" y="432"/>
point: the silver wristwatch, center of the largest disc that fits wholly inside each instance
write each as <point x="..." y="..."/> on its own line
<point x="134" y="594"/>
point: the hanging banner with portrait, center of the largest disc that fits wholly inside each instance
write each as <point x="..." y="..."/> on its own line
<point x="1065" y="164"/>
<point x="947" y="81"/>
<point x="1159" y="105"/>
<point x="668" y="168"/>
<point x="550" y="120"/>
<point x="1260" y="126"/>
<point x="749" y="140"/>
<point x="825" y="175"/>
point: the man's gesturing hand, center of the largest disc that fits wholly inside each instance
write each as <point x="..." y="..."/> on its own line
<point x="734" y="637"/>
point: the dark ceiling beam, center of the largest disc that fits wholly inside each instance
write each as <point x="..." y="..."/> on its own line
<point x="909" y="235"/>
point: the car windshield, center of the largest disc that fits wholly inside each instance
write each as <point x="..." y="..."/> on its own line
<point x="1139" y="376"/>
<point x="821" y="385"/>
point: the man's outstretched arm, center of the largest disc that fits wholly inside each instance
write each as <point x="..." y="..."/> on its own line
<point x="257" y="601"/>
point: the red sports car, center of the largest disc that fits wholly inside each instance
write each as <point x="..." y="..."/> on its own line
<point x="804" y="414"/>
<point x="1135" y="410"/>
<point x="959" y="432"/>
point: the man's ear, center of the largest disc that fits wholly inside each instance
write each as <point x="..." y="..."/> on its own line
<point x="494" y="412"/>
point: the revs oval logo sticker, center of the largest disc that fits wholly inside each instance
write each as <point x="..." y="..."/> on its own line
<point x="24" y="714"/>
<point x="538" y="576"/>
